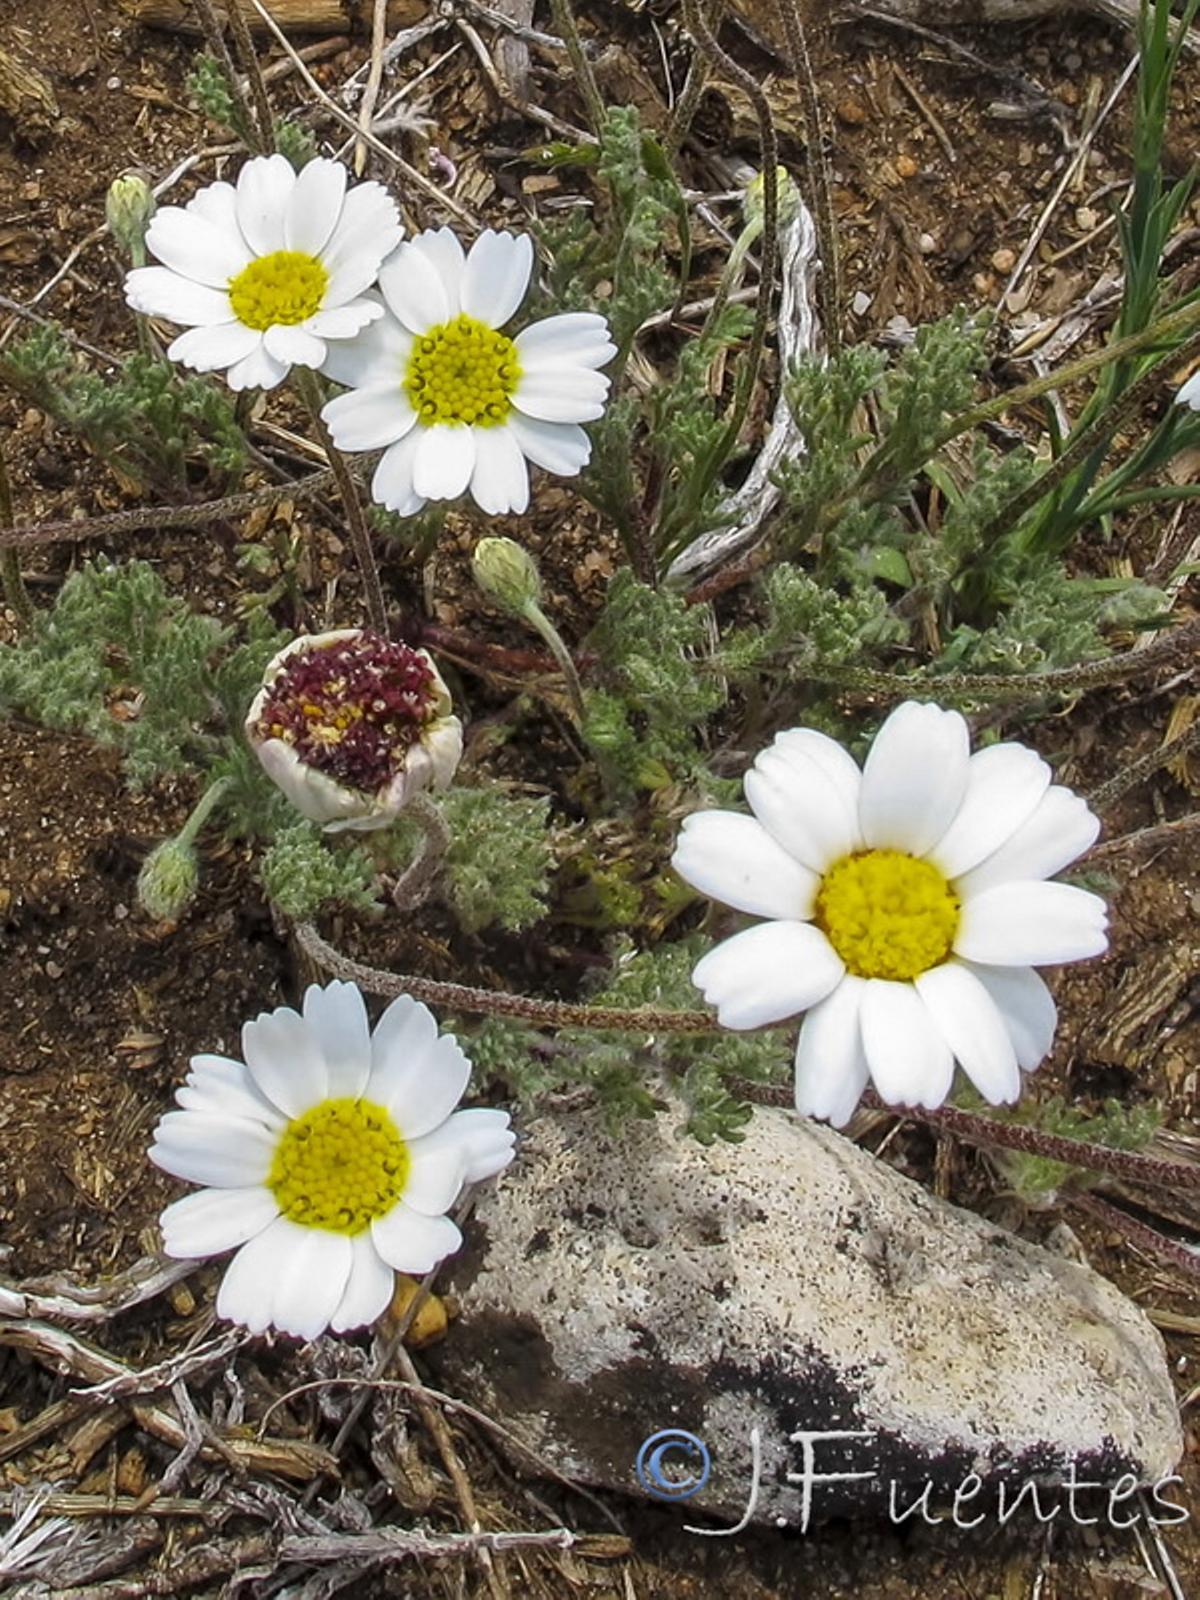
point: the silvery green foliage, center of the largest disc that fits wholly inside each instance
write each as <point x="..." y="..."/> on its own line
<point x="217" y="97"/>
<point x="148" y="418"/>
<point x="1036" y="1179"/>
<point x="303" y="872"/>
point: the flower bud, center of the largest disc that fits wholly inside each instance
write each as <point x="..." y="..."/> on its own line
<point x="507" y="574"/>
<point x="128" y="208"/>
<point x="788" y="202"/>
<point x="167" y="883"/>
<point x="351" y="726"/>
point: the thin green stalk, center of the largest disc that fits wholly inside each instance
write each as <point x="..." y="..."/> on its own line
<point x="360" y="533"/>
<point x="202" y="810"/>
<point x="13" y="583"/>
<point x="541" y="624"/>
<point x="564" y="21"/>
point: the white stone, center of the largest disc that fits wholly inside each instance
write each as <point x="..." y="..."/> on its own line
<point x="611" y="1289"/>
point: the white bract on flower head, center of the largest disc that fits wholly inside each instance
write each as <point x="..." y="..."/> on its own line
<point x="351" y="726"/>
<point x="456" y="403"/>
<point x="329" y="1160"/>
<point x="909" y="904"/>
<point x="269" y="274"/>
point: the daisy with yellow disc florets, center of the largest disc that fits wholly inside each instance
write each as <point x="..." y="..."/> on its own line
<point x="269" y="274"/>
<point x="455" y="403"/>
<point x="909" y="905"/>
<point x="330" y="1158"/>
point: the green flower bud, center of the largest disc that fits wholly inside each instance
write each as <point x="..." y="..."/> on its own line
<point x="128" y="207"/>
<point x="167" y="883"/>
<point x="789" y="197"/>
<point x="507" y="574"/>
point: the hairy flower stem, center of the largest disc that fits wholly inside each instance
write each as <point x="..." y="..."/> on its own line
<point x="541" y="624"/>
<point x="498" y="1003"/>
<point x="686" y="105"/>
<point x="829" y="284"/>
<point x="202" y="810"/>
<point x="1138" y="1233"/>
<point x="413" y="886"/>
<point x="1179" y="644"/>
<point x="13" y="583"/>
<point x="585" y="78"/>
<point x="360" y="533"/>
<point x="248" y="56"/>
<point x="213" y="27"/>
<point x="1137" y="771"/>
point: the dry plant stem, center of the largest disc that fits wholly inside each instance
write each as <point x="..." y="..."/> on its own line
<point x="564" y="20"/>
<point x="685" y="109"/>
<point x="1181" y="642"/>
<point x="1138" y="1233"/>
<point x="248" y="57"/>
<point x="496" y="1002"/>
<point x="1100" y="799"/>
<point x="829" y="283"/>
<point x="360" y="533"/>
<point x="13" y="583"/>
<point x="214" y="37"/>
<point x="1160" y="837"/>
<point x="415" y="882"/>
<point x="706" y="40"/>
<point x="366" y="110"/>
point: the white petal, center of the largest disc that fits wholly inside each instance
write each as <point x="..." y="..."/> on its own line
<point x="412" y="1242"/>
<point x="213" y="1220"/>
<point x="337" y="1019"/>
<point x="225" y="1088"/>
<point x="264" y="187"/>
<point x="376" y="355"/>
<point x="367" y="232"/>
<point x="794" y="799"/>
<point x="572" y="339"/>
<point x="444" y="462"/>
<point x="1061" y="828"/>
<point x="487" y="1139"/>
<point x="468" y="1146"/>
<point x="767" y="973"/>
<point x="836" y="762"/>
<point x="559" y="447"/>
<point x="217" y="203"/>
<point x="1005" y="782"/>
<point x="496" y="276"/>
<point x="159" y="292"/>
<point x="285" y="1059"/>
<point x="831" y="1064"/>
<point x="207" y="349"/>
<point x="226" y="1152"/>
<point x="414" y="288"/>
<point x="1189" y="394"/>
<point x="1027" y="1007"/>
<point x="500" y="480"/>
<point x="293" y="344"/>
<point x="196" y="248"/>
<point x="733" y="859"/>
<point x="314" y="206"/>
<point x="441" y="248"/>
<point x="258" y="370"/>
<point x="425" y="1088"/>
<point x="1031" y="925"/>
<point x="364" y="419"/>
<point x="247" y="1287"/>
<point x="309" y="1281"/>
<point x="402" y="1043"/>
<point x="369" y="1289"/>
<point x="558" y="395"/>
<point x="344" y="321"/>
<point x="911" y="1063"/>
<point x="392" y="485"/>
<point x="971" y="1024"/>
<point x="313" y="794"/>
<point x="914" y="778"/>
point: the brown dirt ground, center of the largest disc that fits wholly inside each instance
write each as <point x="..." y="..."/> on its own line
<point x="102" y="1009"/>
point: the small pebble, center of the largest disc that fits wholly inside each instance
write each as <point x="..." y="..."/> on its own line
<point x="906" y="167"/>
<point x="851" y="112"/>
<point x="1085" y="218"/>
<point x="1004" y="260"/>
<point x="927" y="244"/>
<point x="861" y="304"/>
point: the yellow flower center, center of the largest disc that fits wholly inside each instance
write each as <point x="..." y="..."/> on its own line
<point x="287" y="286"/>
<point x="462" y="372"/>
<point x="339" y="1166"/>
<point x="887" y="914"/>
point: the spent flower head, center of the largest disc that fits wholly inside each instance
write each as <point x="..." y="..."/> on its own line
<point x="329" y="1158"/>
<point x="351" y="726"/>
<point x="456" y="403"/>
<point x="269" y="274"/>
<point x="909" y="906"/>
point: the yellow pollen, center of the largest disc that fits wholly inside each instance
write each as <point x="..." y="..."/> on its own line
<point x="462" y="372"/>
<point x="887" y="914"/>
<point x="284" y="287"/>
<point x="339" y="1166"/>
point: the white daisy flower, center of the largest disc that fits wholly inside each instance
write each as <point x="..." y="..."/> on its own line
<point x="1189" y="395"/>
<point x="352" y="726"/>
<point x="270" y="274"/>
<point x="458" y="404"/>
<point x="909" y="907"/>
<point x="329" y="1160"/>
